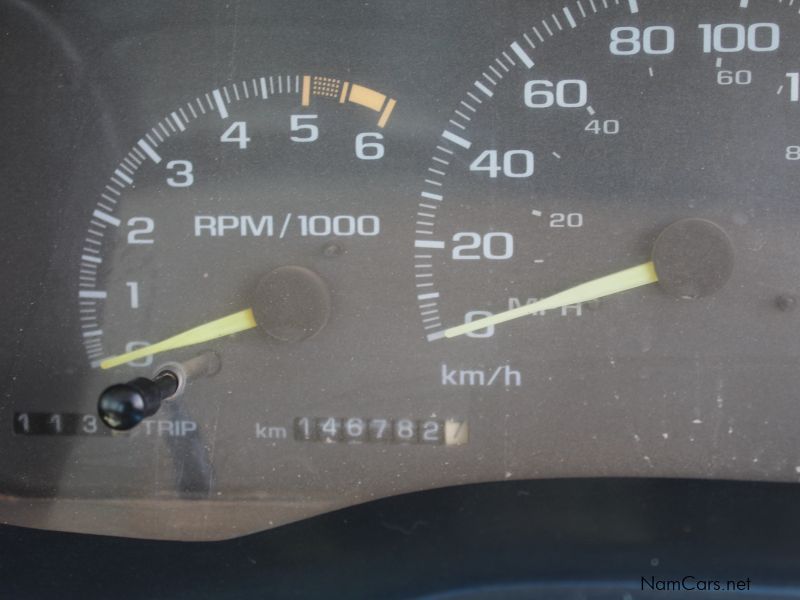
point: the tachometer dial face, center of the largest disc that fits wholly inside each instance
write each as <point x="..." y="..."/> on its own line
<point x="211" y="199"/>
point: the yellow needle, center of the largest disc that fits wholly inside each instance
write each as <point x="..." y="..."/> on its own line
<point x="240" y="321"/>
<point x="592" y="290"/>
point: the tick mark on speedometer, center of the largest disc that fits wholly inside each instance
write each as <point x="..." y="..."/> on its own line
<point x="456" y="139"/>
<point x="431" y="244"/>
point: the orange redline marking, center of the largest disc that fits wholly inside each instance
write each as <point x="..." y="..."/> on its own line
<point x="306" y="90"/>
<point x="345" y="89"/>
<point x="387" y="112"/>
<point x="363" y="96"/>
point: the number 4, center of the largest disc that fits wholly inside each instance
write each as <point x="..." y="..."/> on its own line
<point x="236" y="134"/>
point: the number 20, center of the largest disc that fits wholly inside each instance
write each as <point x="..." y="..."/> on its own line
<point x="493" y="246"/>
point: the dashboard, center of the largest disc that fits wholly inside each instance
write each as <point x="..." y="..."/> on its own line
<point x="273" y="267"/>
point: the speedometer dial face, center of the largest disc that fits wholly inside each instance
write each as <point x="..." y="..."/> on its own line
<point x="584" y="139"/>
<point x="635" y="166"/>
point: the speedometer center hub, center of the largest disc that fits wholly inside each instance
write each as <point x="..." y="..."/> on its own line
<point x="693" y="258"/>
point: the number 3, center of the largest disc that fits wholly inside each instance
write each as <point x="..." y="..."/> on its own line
<point x="183" y="176"/>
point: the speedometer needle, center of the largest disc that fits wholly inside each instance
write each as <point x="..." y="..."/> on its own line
<point x="692" y="258"/>
<point x="616" y="283"/>
<point x="240" y="321"/>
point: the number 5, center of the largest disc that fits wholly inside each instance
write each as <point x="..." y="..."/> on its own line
<point x="298" y="125"/>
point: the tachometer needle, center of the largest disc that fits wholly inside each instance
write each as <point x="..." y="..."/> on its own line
<point x="615" y="283"/>
<point x="240" y="321"/>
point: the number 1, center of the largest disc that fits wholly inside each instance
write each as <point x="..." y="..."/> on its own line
<point x="133" y="286"/>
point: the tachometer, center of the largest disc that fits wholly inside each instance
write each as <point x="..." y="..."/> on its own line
<point x="208" y="201"/>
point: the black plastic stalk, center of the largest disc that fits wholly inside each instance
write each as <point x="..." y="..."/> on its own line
<point x="124" y="405"/>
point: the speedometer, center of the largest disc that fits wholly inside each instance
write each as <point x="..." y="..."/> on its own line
<point x="553" y="172"/>
<point x="615" y="190"/>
